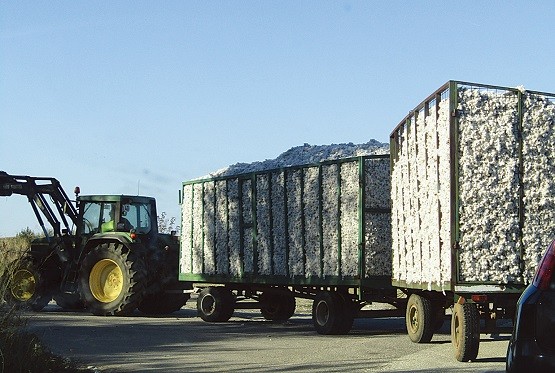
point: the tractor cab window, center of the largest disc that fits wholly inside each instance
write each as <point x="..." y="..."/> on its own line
<point x="108" y="218"/>
<point x="138" y="215"/>
<point x="99" y="217"/>
<point x="91" y="217"/>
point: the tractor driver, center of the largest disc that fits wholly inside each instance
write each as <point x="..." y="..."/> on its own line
<point x="110" y="226"/>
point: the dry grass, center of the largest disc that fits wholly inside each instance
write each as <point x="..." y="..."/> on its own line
<point x="21" y="351"/>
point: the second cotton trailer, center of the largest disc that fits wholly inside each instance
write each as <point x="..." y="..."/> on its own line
<point x="319" y="231"/>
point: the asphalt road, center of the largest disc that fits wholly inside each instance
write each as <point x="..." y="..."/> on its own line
<point x="183" y="342"/>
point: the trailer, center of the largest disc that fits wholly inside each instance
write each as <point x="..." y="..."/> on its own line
<point x="319" y="231"/>
<point x="456" y="217"/>
<point x="473" y="202"/>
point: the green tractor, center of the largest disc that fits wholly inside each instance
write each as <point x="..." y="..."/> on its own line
<point x="103" y="254"/>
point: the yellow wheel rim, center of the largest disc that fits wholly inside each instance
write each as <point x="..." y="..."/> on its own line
<point x="106" y="281"/>
<point x="23" y="285"/>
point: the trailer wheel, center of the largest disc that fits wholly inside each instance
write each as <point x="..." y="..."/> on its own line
<point x="465" y="331"/>
<point x="112" y="280"/>
<point x="329" y="313"/>
<point x="418" y="319"/>
<point x="350" y="309"/>
<point x="215" y="304"/>
<point x="277" y="307"/>
<point x="27" y="286"/>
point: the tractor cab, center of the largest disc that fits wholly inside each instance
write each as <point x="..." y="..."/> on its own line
<point x="132" y="215"/>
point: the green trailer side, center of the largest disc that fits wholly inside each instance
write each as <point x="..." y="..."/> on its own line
<point x="324" y="224"/>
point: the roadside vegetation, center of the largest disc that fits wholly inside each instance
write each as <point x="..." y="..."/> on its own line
<point x="21" y="351"/>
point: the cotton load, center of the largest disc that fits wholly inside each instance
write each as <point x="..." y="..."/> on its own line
<point x="308" y="222"/>
<point x="472" y="200"/>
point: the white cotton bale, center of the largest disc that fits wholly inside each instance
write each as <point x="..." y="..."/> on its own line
<point x="311" y="221"/>
<point x="248" y="234"/>
<point x="294" y="223"/>
<point x="377" y="229"/>
<point x="279" y="224"/>
<point x="539" y="185"/>
<point x="197" y="249"/>
<point x="234" y="227"/>
<point x="443" y="190"/>
<point x="401" y="242"/>
<point x="330" y="221"/>
<point x="221" y="222"/>
<point x="263" y="208"/>
<point x="186" y="229"/>
<point x="378" y="248"/>
<point x="488" y="186"/>
<point x="429" y="198"/>
<point x="414" y="257"/>
<point x="349" y="218"/>
<point x="209" y="225"/>
<point x="421" y="183"/>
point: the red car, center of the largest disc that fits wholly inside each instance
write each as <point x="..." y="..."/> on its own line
<point x="532" y="345"/>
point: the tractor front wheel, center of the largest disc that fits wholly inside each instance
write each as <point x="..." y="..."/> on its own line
<point x="112" y="280"/>
<point x="26" y="285"/>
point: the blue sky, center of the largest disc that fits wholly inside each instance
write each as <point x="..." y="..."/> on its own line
<point x="126" y="97"/>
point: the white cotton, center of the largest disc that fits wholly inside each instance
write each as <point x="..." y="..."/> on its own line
<point x="297" y="222"/>
<point x="494" y="245"/>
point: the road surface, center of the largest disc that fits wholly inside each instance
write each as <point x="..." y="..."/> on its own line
<point x="183" y="342"/>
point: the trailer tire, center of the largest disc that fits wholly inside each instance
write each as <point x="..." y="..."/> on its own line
<point x="465" y="331"/>
<point x="277" y="307"/>
<point x="418" y="319"/>
<point x="112" y="280"/>
<point x="27" y="285"/>
<point x="163" y="303"/>
<point x="350" y="310"/>
<point x="328" y="313"/>
<point x="215" y="304"/>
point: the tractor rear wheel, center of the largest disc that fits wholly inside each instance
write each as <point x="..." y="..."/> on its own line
<point x="26" y="285"/>
<point x="112" y="280"/>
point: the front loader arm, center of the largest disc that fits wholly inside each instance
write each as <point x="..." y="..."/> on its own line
<point x="36" y="189"/>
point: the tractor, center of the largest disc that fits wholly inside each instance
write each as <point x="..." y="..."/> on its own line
<point x="102" y="253"/>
